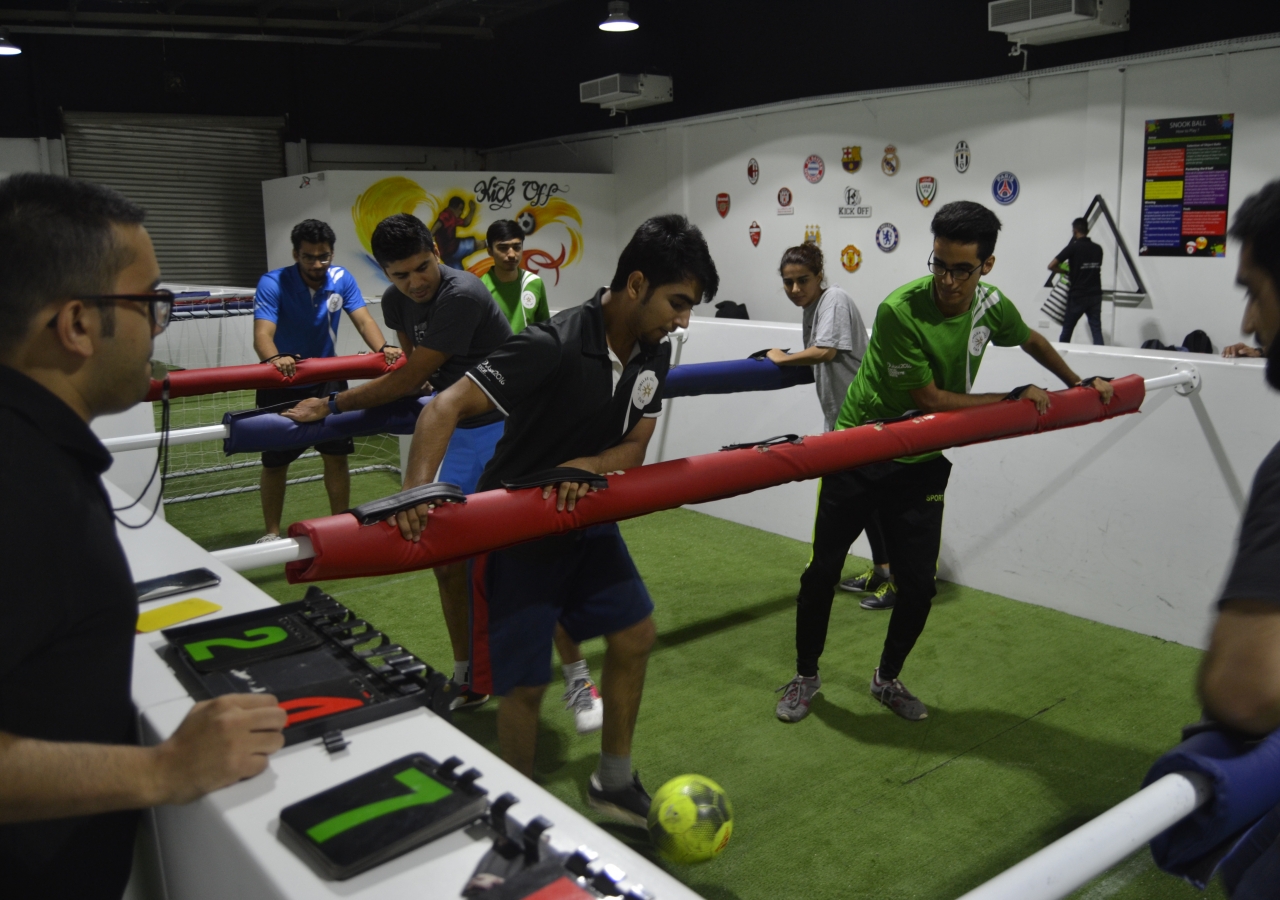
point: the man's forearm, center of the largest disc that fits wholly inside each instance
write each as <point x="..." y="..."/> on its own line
<point x="265" y="347"/>
<point x="947" y="400"/>
<point x="1042" y="352"/>
<point x="431" y="437"/>
<point x="810" y="357"/>
<point x="49" y="780"/>
<point x="382" y="390"/>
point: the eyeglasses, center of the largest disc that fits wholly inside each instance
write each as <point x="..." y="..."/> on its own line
<point x="959" y="274"/>
<point x="319" y="260"/>
<point x="160" y="304"/>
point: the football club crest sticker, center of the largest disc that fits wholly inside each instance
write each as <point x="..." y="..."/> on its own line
<point x="814" y="169"/>
<point x="335" y="302"/>
<point x="753" y="170"/>
<point x="889" y="164"/>
<point x="851" y="258"/>
<point x="962" y="157"/>
<point x="784" y="202"/>
<point x="926" y="188"/>
<point x="646" y="386"/>
<point x="528" y="299"/>
<point x="1005" y="188"/>
<point x="853" y="208"/>
<point x="722" y="204"/>
<point x="851" y="159"/>
<point x="754" y="232"/>
<point x="813" y="235"/>
<point x="886" y="237"/>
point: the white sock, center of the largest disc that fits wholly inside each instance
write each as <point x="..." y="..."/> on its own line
<point x="614" y="772"/>
<point x="879" y="680"/>
<point x="462" y="671"/>
<point x="575" y="671"/>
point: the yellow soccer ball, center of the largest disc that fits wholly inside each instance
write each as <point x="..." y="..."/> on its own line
<point x="691" y="819"/>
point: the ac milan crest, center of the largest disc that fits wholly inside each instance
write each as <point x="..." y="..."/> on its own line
<point x="754" y="231"/>
<point x="722" y="204"/>
<point x="851" y="159"/>
<point x="926" y="188"/>
<point x="814" y="169"/>
<point x="962" y="157"/>
<point x="753" y="170"/>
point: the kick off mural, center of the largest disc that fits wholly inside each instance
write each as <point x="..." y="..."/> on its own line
<point x="567" y="221"/>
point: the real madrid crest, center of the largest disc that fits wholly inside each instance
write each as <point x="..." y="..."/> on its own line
<point x="813" y="235"/>
<point x="962" y="157"/>
<point x="889" y="164"/>
<point x="722" y="204"/>
<point x="886" y="237"/>
<point x="851" y="159"/>
<point x="1005" y="188"/>
<point x="814" y="169"/>
<point x="926" y="188"/>
<point x="754" y="232"/>
<point x="851" y="258"/>
<point x="784" y="202"/>
<point x="753" y="170"/>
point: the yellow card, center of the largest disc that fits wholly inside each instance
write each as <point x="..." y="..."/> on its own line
<point x="173" y="613"/>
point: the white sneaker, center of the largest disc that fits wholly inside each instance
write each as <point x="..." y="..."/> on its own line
<point x="583" y="700"/>
<point x="267" y="539"/>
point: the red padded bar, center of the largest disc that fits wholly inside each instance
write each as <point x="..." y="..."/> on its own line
<point x="262" y="376"/>
<point x="496" y="519"/>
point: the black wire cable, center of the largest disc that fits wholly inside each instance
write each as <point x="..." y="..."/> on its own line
<point x="162" y="453"/>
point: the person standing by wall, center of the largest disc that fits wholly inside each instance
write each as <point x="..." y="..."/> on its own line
<point x="1083" y="259"/>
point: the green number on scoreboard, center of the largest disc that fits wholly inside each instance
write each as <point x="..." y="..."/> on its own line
<point x="423" y="790"/>
<point x="264" y="637"/>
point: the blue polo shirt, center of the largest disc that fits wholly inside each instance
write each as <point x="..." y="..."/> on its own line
<point x="306" y="324"/>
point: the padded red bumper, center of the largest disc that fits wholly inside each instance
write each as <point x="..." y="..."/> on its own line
<point x="263" y="376"/>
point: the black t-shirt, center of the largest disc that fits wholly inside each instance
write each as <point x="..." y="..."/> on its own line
<point x="1255" y="574"/>
<point x="70" y="612"/>
<point x="1084" y="264"/>
<point x="554" y="383"/>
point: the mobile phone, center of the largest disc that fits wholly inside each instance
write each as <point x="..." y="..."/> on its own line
<point x="177" y="583"/>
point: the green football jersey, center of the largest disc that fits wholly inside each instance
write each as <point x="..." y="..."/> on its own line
<point x="523" y="301"/>
<point x="913" y="344"/>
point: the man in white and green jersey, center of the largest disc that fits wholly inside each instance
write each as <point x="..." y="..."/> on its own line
<point x="926" y="346"/>
<point x="517" y="291"/>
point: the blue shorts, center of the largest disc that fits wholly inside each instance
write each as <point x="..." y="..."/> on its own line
<point x="585" y="580"/>
<point x="469" y="451"/>
<point x="466" y="246"/>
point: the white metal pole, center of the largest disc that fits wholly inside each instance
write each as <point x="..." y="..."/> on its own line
<point x="150" y="441"/>
<point x="1091" y="849"/>
<point x="271" y="553"/>
<point x="1186" y="376"/>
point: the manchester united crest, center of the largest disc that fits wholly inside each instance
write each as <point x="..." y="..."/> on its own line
<point x="1005" y="188"/>
<point x="813" y="235"/>
<point x="889" y="164"/>
<point x="722" y="204"/>
<point x="753" y="170"/>
<point x="851" y="258"/>
<point x="962" y="157"/>
<point x="754" y="232"/>
<point x="926" y="188"/>
<point x="851" y="159"/>
<point x="814" y="169"/>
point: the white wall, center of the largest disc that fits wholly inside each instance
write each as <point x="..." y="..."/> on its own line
<point x="32" y="155"/>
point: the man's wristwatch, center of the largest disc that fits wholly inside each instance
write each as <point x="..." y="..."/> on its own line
<point x="333" y="403"/>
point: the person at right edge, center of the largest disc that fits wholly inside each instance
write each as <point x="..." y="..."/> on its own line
<point x="581" y="391"/>
<point x="926" y="346"/>
<point x="1083" y="259"/>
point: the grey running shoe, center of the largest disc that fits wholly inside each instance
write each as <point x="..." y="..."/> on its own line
<point x="467" y="698"/>
<point x="867" y="581"/>
<point x="583" y="700"/>
<point x="796" y="696"/>
<point x="630" y="805"/>
<point x="895" y="695"/>
<point x="882" y="597"/>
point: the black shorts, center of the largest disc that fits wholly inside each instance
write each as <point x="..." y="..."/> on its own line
<point x="285" y="398"/>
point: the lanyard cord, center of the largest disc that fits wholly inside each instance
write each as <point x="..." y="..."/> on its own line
<point x="162" y="453"/>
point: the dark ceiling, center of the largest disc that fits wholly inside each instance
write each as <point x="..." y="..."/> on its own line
<point x="485" y="73"/>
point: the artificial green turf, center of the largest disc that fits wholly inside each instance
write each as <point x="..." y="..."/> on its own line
<point x="1038" y="720"/>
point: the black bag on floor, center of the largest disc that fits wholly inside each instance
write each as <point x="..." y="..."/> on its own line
<point x="1197" y="342"/>
<point x="727" y="309"/>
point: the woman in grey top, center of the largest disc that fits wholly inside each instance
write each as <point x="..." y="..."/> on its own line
<point x="835" y="341"/>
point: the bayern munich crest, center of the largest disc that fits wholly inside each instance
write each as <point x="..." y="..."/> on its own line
<point x="886" y="237"/>
<point x="1005" y="188"/>
<point x="753" y="170"/>
<point x="814" y="169"/>
<point x="722" y="204"/>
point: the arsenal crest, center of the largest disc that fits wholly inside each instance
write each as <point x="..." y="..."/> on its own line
<point x="814" y="169"/>
<point x="753" y="170"/>
<point x="813" y="235"/>
<point x="722" y="204"/>
<point x="926" y="187"/>
<point x="784" y="202"/>
<point x="886" y="237"/>
<point x="851" y="258"/>
<point x="754" y="231"/>
<point x="962" y="157"/>
<point x="851" y="159"/>
<point x="1005" y="188"/>
<point x="889" y="164"/>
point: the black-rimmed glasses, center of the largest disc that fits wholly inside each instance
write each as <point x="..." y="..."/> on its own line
<point x="160" y="303"/>
<point x="959" y="274"/>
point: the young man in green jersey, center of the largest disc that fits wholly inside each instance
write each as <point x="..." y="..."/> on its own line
<point x="926" y="345"/>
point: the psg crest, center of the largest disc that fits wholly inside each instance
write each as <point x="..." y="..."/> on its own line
<point x="962" y="157"/>
<point x="851" y="159"/>
<point x="814" y="169"/>
<point x="926" y="188"/>
<point x="889" y="164"/>
<point x="886" y="237"/>
<point x="753" y="170"/>
<point x="722" y="204"/>
<point x="813" y="235"/>
<point x="754" y="232"/>
<point x="1005" y="188"/>
<point x="851" y="258"/>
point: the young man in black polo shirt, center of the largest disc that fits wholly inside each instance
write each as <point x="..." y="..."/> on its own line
<point x="1084" y="273"/>
<point x="583" y="391"/>
<point x="78" y="311"/>
<point x="447" y="322"/>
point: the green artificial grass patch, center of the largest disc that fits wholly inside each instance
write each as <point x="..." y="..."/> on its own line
<point x="1038" y="721"/>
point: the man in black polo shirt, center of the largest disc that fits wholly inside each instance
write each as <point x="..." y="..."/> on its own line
<point x="447" y="322"/>
<point x="78" y="311"/>
<point x="582" y="391"/>
<point x="1083" y="259"/>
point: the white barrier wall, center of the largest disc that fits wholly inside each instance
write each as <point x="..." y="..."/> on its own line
<point x="1131" y="522"/>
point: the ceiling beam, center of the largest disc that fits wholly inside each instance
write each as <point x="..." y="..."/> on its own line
<point x="168" y="34"/>
<point x="8" y="16"/>
<point x="425" y="11"/>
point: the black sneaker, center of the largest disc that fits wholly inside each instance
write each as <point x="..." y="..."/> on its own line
<point x="867" y="581"/>
<point x="882" y="598"/>
<point x="630" y="805"/>
<point x="467" y="698"/>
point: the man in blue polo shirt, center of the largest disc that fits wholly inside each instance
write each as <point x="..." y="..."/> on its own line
<point x="296" y="312"/>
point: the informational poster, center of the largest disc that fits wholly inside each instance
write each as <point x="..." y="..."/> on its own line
<point x="1185" y="182"/>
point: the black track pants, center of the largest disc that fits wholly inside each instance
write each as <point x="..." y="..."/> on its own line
<point x="908" y="500"/>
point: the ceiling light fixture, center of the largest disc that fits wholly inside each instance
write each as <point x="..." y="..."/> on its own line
<point x="8" y="47"/>
<point x="618" y="20"/>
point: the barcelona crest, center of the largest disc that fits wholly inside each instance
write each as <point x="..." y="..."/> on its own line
<point x="851" y="159"/>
